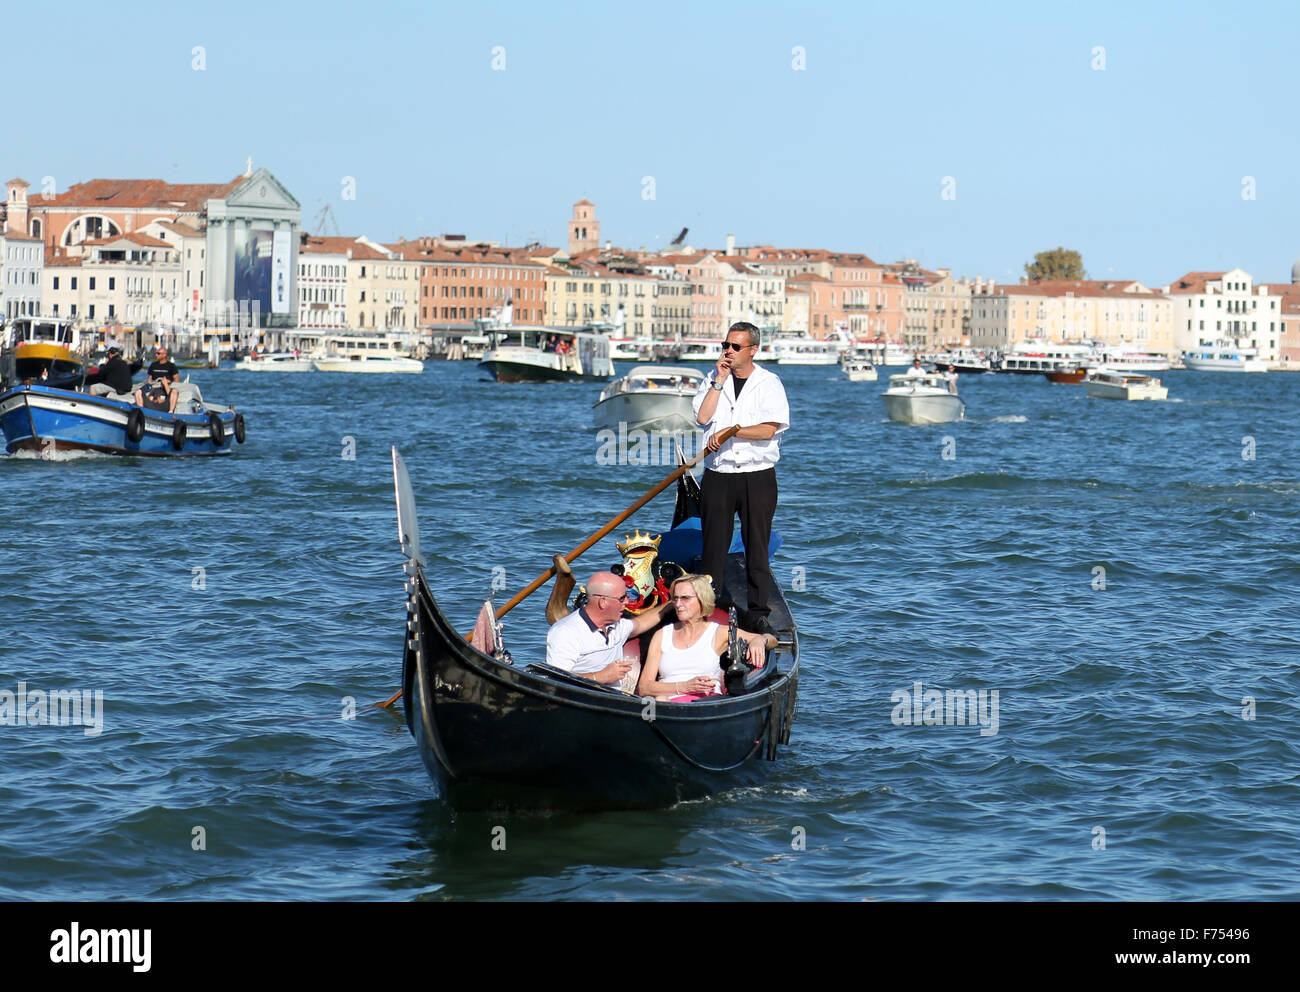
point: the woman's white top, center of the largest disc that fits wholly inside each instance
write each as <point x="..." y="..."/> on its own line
<point x="682" y="664"/>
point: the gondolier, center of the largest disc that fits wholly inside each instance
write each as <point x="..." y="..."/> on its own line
<point x="740" y="475"/>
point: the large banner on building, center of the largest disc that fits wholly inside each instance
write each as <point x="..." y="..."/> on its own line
<point x="280" y="272"/>
<point x="253" y="251"/>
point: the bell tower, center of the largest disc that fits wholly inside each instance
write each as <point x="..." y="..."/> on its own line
<point x="584" y="229"/>
<point x="16" y="207"/>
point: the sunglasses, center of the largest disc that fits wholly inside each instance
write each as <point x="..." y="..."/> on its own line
<point x="688" y="596"/>
<point x="621" y="599"/>
<point x="732" y="346"/>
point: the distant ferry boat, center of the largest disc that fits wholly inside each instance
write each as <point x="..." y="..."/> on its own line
<point x="547" y="354"/>
<point x="1037" y="357"/>
<point x="1222" y="359"/>
<point x="803" y="349"/>
<point x="1123" y="360"/>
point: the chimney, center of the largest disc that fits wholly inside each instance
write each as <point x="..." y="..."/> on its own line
<point x="607" y="245"/>
<point x="731" y="244"/>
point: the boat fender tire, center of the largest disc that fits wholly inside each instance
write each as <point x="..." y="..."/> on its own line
<point x="135" y="425"/>
<point x="217" y="428"/>
<point x="239" y="428"/>
<point x="179" y="430"/>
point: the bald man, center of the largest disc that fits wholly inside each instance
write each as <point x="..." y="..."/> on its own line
<point x="589" y="642"/>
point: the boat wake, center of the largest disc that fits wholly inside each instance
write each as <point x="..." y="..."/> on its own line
<point x="1011" y="418"/>
<point x="81" y="454"/>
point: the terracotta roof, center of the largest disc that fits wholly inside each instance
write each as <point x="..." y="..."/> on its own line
<point x="326" y="246"/>
<point x="109" y="194"/>
<point x="62" y="261"/>
<point x="806" y="277"/>
<point x="18" y="182"/>
<point x="1194" y="282"/>
<point x="184" y="230"/>
<point x="584" y="200"/>
<point x="1063" y="287"/>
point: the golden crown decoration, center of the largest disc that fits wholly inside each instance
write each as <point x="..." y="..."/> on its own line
<point x="638" y="540"/>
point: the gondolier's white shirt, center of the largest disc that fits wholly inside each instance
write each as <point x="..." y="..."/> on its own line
<point x="576" y="645"/>
<point x="762" y="401"/>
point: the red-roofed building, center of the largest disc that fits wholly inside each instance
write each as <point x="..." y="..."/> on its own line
<point x="461" y="284"/>
<point x="1225" y="309"/>
<point x="234" y="244"/>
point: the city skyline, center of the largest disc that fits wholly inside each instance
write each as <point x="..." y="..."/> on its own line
<point x="1136" y="137"/>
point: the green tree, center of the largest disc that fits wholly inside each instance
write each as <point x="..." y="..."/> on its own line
<point x="1056" y="264"/>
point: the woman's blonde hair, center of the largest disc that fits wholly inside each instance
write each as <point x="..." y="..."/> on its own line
<point x="703" y="588"/>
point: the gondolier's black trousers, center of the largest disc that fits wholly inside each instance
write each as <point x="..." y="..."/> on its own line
<point x="753" y="496"/>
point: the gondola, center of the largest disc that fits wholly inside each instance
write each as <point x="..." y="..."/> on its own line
<point x="496" y="732"/>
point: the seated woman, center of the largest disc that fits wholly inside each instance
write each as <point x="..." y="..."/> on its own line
<point x="683" y="662"/>
<point x="157" y="394"/>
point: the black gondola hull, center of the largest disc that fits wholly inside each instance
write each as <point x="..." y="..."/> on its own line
<point x="493" y="734"/>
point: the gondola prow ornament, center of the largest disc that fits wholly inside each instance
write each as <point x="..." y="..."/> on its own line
<point x="647" y="578"/>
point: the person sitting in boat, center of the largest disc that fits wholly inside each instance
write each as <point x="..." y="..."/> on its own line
<point x="564" y="347"/>
<point x="683" y="663"/>
<point x="589" y="641"/>
<point x="114" y="375"/>
<point x="157" y="394"/>
<point x="552" y="343"/>
<point x="916" y="369"/>
<point x="163" y="366"/>
<point x="950" y="377"/>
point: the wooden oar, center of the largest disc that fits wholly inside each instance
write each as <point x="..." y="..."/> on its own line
<point x="546" y="576"/>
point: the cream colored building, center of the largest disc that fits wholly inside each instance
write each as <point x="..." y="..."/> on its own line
<point x="1228" y="309"/>
<point x="323" y="284"/>
<point x="1105" y="311"/>
<point x="132" y="280"/>
<point x="383" y="289"/>
<point x="936" y="308"/>
<point x="752" y="295"/>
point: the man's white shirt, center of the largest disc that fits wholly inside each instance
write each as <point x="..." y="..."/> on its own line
<point x="577" y="645"/>
<point x="762" y="401"/>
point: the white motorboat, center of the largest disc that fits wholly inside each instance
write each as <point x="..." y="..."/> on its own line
<point x="1107" y="384"/>
<point x="858" y="369"/>
<point x="1224" y="359"/>
<point x="896" y="354"/>
<point x="654" y="397"/>
<point x="363" y="353"/>
<point x="279" y="361"/>
<point x="922" y="399"/>
<point x="547" y="354"/>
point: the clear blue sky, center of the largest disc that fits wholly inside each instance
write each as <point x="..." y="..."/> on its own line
<point x="1139" y="165"/>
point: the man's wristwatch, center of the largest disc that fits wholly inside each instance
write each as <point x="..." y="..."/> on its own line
<point x="717" y="385"/>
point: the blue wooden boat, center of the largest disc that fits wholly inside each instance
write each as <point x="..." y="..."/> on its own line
<point x="46" y="419"/>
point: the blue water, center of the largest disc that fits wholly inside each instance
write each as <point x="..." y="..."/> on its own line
<point x="228" y="609"/>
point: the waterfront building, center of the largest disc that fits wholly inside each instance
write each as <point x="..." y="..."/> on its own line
<point x="1111" y="312"/>
<point x="460" y="283"/>
<point x="798" y="295"/>
<point x="323" y="283"/>
<point x="936" y="308"/>
<point x="249" y="227"/>
<point x="1214" y="308"/>
<point x="752" y="295"/>
<point x="22" y="268"/>
<point x="117" y="287"/>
